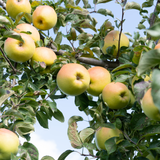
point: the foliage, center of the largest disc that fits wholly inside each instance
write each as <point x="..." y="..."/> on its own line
<point x="28" y="94"/>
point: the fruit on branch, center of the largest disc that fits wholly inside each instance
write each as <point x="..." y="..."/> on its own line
<point x="44" y="17"/>
<point x="14" y="7"/>
<point x="9" y="143"/>
<point x="112" y="38"/>
<point x="149" y="107"/>
<point x="73" y="79"/>
<point x="116" y="95"/>
<point x="19" y="51"/>
<point x="28" y="28"/>
<point x="99" y="78"/>
<point x="44" y="54"/>
<point x="103" y="134"/>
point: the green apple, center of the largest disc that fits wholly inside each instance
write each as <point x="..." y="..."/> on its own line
<point x="112" y="38"/>
<point x="148" y="106"/>
<point x="19" y="51"/>
<point x="14" y="7"/>
<point x="103" y="134"/>
<point x="116" y="95"/>
<point x="28" y="27"/>
<point x="99" y="78"/>
<point x="9" y="143"/>
<point x="73" y="79"/>
<point x="44" y="54"/>
<point x="44" y="17"/>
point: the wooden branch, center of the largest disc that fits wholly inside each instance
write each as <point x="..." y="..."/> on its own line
<point x="3" y="4"/>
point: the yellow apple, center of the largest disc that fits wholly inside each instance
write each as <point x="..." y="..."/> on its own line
<point x="112" y="38"/>
<point x="116" y="95"/>
<point x="19" y="51"/>
<point x="99" y="78"/>
<point x="73" y="79"/>
<point x="148" y="106"/>
<point x="44" y="54"/>
<point x="9" y="143"/>
<point x="103" y="134"/>
<point x="14" y="7"/>
<point x="44" y="17"/>
<point x="28" y="27"/>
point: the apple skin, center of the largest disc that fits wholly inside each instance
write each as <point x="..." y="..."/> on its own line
<point x="9" y="144"/>
<point x="157" y="46"/>
<point x="20" y="51"/>
<point x="28" y="27"/>
<point x="112" y="38"/>
<point x="99" y="78"/>
<point x="103" y="134"/>
<point x="148" y="106"/>
<point x="14" y="7"/>
<point x="44" y="54"/>
<point x="44" y="17"/>
<point x="116" y="95"/>
<point x="73" y="79"/>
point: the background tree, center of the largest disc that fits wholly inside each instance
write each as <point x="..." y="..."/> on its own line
<point x="28" y="90"/>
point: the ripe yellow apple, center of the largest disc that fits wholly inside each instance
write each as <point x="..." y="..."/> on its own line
<point x="73" y="79"/>
<point x="99" y="78"/>
<point x="148" y="106"/>
<point x="14" y="7"/>
<point x="44" y="54"/>
<point x="44" y="17"/>
<point x="28" y="27"/>
<point x="112" y="38"/>
<point x="9" y="143"/>
<point x="19" y="51"/>
<point x="116" y="95"/>
<point x="103" y="134"/>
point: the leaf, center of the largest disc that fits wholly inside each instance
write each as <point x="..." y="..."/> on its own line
<point x="15" y="113"/>
<point x="84" y="12"/>
<point x="13" y="34"/>
<point x="154" y="30"/>
<point x="42" y="119"/>
<point x="105" y="12"/>
<point x="58" y="115"/>
<point x="4" y="20"/>
<point x="147" y="4"/>
<point x="110" y="145"/>
<point x="65" y="154"/>
<point x="155" y="85"/>
<point x="122" y="66"/>
<point x="85" y="133"/>
<point x="74" y="119"/>
<point x="132" y="5"/>
<point x="58" y="38"/>
<point x="47" y="158"/>
<point x="103" y="1"/>
<point x="148" y="60"/>
<point x="6" y="96"/>
<point x="31" y="149"/>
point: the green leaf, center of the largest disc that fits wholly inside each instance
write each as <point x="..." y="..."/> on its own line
<point x="148" y="60"/>
<point x="132" y="5"/>
<point x="6" y="96"/>
<point x="47" y="158"/>
<point x="149" y="3"/>
<point x="85" y="133"/>
<point x="65" y="154"/>
<point x="31" y="149"/>
<point x="42" y="119"/>
<point x="122" y="66"/>
<point x="74" y="119"/>
<point x="15" y="113"/>
<point x="155" y="85"/>
<point x="4" y="20"/>
<point x="58" y="38"/>
<point x="58" y="115"/>
<point x="84" y="12"/>
<point x="110" y="145"/>
<point x="154" y="30"/>
<point x="13" y="34"/>
<point x="103" y="1"/>
<point x="105" y="12"/>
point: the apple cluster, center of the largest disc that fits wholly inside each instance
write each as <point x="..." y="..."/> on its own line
<point x="44" y="17"/>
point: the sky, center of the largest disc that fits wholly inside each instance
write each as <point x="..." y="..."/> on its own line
<point x="54" y="141"/>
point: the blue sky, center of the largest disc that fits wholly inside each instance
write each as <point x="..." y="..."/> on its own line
<point x="54" y="141"/>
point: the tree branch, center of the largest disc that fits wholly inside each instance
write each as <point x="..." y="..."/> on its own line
<point x="3" y="4"/>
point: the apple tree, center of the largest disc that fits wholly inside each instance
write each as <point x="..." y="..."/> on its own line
<point x="28" y="90"/>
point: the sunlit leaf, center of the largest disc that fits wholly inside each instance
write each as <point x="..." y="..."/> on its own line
<point x="132" y="5"/>
<point x="65" y="154"/>
<point x="47" y="158"/>
<point x="6" y="96"/>
<point x="85" y="133"/>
